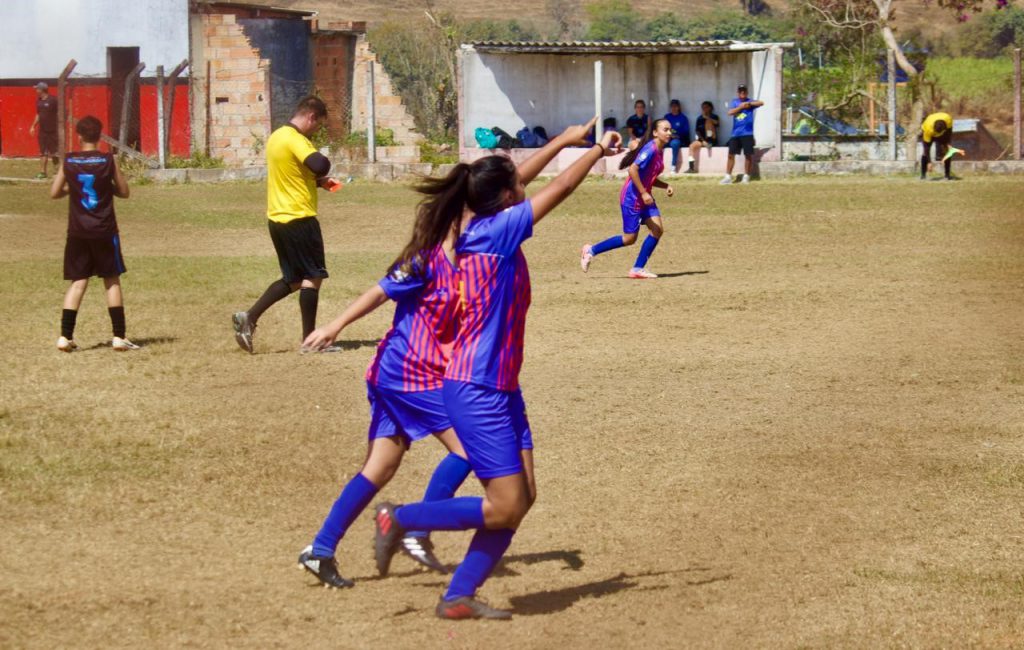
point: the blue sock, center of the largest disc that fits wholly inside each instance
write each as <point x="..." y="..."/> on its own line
<point x="449" y="475"/>
<point x="354" y="498"/>
<point x="460" y="513"/>
<point x="645" y="251"/>
<point x="609" y="244"/>
<point x="484" y="553"/>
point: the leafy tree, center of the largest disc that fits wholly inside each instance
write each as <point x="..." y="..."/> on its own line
<point x="991" y="34"/>
<point x="613" y="20"/>
<point x="565" y="14"/>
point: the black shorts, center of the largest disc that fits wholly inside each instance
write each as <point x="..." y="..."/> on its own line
<point x="744" y="143"/>
<point x="941" y="144"/>
<point x="300" y="249"/>
<point x="85" y="258"/>
<point x="47" y="143"/>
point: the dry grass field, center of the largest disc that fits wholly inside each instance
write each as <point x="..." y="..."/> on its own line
<point x="806" y="433"/>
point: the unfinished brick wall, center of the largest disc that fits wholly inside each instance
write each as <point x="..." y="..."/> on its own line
<point x="390" y="111"/>
<point x="333" y="54"/>
<point x="238" y="93"/>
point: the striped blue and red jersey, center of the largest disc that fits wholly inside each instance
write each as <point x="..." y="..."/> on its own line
<point x="414" y="353"/>
<point x="651" y="163"/>
<point x="494" y="289"/>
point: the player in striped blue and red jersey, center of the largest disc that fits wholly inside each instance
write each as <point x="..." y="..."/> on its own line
<point x="481" y="385"/>
<point x="645" y="164"/>
<point x="403" y="381"/>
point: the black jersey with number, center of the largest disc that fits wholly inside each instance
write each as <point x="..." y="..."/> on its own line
<point x="90" y="178"/>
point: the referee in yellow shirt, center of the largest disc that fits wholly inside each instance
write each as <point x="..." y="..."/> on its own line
<point x="294" y="170"/>
<point x="937" y="128"/>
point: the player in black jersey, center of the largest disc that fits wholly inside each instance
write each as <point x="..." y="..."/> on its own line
<point x="91" y="179"/>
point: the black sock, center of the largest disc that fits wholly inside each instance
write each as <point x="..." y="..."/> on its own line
<point x="117" y="320"/>
<point x="308" y="300"/>
<point x="276" y="291"/>
<point x="691" y="165"/>
<point x="67" y="323"/>
<point x="948" y="166"/>
<point x="924" y="166"/>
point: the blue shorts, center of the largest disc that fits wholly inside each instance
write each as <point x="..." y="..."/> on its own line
<point x="633" y="217"/>
<point x="413" y="416"/>
<point x="491" y="425"/>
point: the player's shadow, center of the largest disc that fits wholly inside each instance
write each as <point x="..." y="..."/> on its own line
<point x="570" y="561"/>
<point x="680" y="274"/>
<point x="549" y="602"/>
<point x="143" y="342"/>
<point x="337" y="346"/>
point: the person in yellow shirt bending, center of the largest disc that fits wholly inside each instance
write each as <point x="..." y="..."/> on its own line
<point x="937" y="128"/>
<point x="294" y="170"/>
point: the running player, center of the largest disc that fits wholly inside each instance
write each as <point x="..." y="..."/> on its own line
<point x="404" y="379"/>
<point x="481" y="385"/>
<point x="645" y="164"/>
<point x="91" y="179"/>
<point x="294" y="170"/>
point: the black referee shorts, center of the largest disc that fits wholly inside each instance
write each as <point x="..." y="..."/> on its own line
<point x="300" y="249"/>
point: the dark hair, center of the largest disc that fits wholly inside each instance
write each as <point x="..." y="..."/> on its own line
<point x="640" y="102"/>
<point x="675" y="102"/>
<point x="708" y="104"/>
<point x="940" y="125"/>
<point x="89" y="129"/>
<point x="628" y="159"/>
<point x="477" y="186"/>
<point x="311" y="104"/>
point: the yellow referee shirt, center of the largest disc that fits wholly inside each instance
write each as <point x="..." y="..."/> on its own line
<point x="928" y="126"/>
<point x="291" y="186"/>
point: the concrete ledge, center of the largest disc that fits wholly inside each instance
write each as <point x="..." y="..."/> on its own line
<point x="220" y="175"/>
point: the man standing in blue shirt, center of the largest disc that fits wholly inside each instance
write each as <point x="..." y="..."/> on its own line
<point x="680" y="132"/>
<point x="742" y="111"/>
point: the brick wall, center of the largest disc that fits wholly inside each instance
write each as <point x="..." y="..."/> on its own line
<point x="390" y="111"/>
<point x="239" y="93"/>
<point x="333" y="54"/>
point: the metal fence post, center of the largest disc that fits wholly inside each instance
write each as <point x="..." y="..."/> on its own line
<point x="371" y="119"/>
<point x="160" y="137"/>
<point x="598" y="89"/>
<point x="890" y="62"/>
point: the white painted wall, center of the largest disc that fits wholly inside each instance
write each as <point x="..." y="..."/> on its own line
<point x="39" y="37"/>
<point x="556" y="90"/>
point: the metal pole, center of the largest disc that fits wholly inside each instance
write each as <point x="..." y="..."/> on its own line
<point x="62" y="83"/>
<point x="1016" y="105"/>
<point x="598" y="89"/>
<point x="890" y="62"/>
<point x="371" y="120"/>
<point x="172" y="82"/>
<point x="160" y="133"/>
<point x="126" y="101"/>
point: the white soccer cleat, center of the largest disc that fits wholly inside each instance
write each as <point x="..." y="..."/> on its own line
<point x="586" y="256"/>
<point x="726" y="180"/>
<point x="641" y="274"/>
<point x="66" y="345"/>
<point x="123" y="345"/>
<point x="745" y="179"/>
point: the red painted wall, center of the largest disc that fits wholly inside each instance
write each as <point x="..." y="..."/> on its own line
<point x="18" y="110"/>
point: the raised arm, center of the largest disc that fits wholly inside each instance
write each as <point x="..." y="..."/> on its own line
<point x="324" y="335"/>
<point x="563" y="185"/>
<point x="536" y="163"/>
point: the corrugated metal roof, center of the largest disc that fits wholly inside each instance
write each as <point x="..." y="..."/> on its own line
<point x="617" y="47"/>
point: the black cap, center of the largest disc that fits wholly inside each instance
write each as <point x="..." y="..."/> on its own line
<point x="741" y="87"/>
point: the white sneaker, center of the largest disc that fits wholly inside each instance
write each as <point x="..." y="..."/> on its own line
<point x="726" y="180"/>
<point x="586" y="256"/>
<point x="745" y="179"/>
<point x="123" y="345"/>
<point x="66" y="345"/>
<point x="641" y="274"/>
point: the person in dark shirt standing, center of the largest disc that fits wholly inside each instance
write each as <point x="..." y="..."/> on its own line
<point x="46" y="122"/>
<point x="91" y="179"/>
<point x="637" y="124"/>
<point x="706" y="132"/>
<point x="680" y="132"/>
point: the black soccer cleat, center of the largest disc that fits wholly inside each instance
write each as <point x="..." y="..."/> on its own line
<point x="421" y="549"/>
<point x="244" y="330"/>
<point x="387" y="536"/>
<point x="466" y="607"/>
<point x="324" y="568"/>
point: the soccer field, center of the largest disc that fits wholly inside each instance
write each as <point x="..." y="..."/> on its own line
<point x="807" y="433"/>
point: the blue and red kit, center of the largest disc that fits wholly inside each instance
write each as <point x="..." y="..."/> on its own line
<point x="650" y="163"/>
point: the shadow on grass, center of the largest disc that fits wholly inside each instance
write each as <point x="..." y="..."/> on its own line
<point x="570" y="559"/>
<point x="661" y="276"/>
<point x="339" y="346"/>
<point x="143" y="342"/>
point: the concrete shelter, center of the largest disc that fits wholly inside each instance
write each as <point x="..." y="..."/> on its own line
<point x="515" y="84"/>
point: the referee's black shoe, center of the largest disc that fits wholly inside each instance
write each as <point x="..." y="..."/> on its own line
<point x="324" y="568"/>
<point x="244" y="329"/>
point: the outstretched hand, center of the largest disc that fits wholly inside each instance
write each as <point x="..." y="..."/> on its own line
<point x="611" y="141"/>
<point x="577" y="135"/>
<point x="319" y="339"/>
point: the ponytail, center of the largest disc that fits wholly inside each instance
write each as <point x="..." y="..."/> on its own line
<point x="628" y="159"/>
<point x="438" y="212"/>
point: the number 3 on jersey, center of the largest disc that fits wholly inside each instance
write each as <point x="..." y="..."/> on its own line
<point x="89" y="198"/>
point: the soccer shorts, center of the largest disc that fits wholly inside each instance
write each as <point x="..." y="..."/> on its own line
<point x="744" y="143"/>
<point x="300" y="249"/>
<point x="85" y="258"/>
<point x="47" y="142"/>
<point x="491" y="425"/>
<point x="413" y="416"/>
<point x="633" y="217"/>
